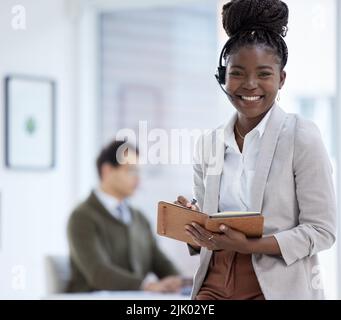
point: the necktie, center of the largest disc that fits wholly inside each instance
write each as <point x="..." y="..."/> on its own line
<point x="119" y="210"/>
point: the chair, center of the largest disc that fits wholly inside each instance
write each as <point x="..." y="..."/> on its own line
<point x="58" y="273"/>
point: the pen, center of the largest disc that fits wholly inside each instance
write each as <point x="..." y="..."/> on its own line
<point x="193" y="202"/>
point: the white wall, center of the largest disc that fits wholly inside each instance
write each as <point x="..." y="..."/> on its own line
<point x="35" y="205"/>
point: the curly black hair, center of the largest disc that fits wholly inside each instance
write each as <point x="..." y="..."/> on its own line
<point x="256" y="22"/>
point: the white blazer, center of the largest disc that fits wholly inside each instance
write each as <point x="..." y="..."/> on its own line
<point x="293" y="188"/>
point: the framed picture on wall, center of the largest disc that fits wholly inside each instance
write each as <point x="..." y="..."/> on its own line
<point x="30" y="123"/>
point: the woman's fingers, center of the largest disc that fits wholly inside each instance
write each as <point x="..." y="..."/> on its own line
<point x="183" y="200"/>
<point x="210" y="241"/>
<point x="195" y="236"/>
<point x="195" y="239"/>
<point x="211" y="245"/>
<point x="199" y="232"/>
<point x="193" y="232"/>
<point x="202" y="231"/>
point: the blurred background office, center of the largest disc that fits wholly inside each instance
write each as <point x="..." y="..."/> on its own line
<point x="115" y="63"/>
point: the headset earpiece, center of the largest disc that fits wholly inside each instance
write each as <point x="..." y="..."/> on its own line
<point x="221" y="70"/>
<point x="221" y="74"/>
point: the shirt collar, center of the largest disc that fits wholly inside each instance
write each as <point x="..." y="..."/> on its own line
<point x="110" y="202"/>
<point x="229" y="129"/>
<point x="262" y="125"/>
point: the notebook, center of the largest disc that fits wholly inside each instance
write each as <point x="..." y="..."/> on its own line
<point x="172" y="218"/>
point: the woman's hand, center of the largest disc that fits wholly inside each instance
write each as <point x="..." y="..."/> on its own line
<point x="229" y="240"/>
<point x="182" y="201"/>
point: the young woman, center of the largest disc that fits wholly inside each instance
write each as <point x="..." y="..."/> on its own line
<point x="266" y="160"/>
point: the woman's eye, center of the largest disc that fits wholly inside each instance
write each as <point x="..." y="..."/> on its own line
<point x="265" y="74"/>
<point x="235" y="73"/>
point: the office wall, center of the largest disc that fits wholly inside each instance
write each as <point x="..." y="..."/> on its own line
<point x="35" y="205"/>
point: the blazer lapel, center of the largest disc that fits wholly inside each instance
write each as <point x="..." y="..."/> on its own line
<point x="265" y="156"/>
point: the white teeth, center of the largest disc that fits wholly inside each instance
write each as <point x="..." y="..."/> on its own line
<point x="251" y="98"/>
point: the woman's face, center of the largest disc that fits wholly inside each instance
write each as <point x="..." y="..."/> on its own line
<point x="253" y="78"/>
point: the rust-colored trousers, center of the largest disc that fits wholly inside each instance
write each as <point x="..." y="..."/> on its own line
<point x="230" y="276"/>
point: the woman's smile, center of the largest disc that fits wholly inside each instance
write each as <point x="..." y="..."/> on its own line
<point x="250" y="99"/>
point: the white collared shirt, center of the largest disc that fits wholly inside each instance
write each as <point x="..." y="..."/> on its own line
<point x="110" y="203"/>
<point x="239" y="168"/>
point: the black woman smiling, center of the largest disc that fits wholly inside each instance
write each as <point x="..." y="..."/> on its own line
<point x="268" y="161"/>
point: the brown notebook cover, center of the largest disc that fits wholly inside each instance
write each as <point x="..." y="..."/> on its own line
<point x="172" y="218"/>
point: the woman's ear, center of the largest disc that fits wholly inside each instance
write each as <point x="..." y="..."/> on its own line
<point x="282" y="78"/>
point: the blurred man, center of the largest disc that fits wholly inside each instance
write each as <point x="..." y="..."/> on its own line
<point x="111" y="244"/>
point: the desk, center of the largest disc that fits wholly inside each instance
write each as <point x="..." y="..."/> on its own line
<point x="118" y="295"/>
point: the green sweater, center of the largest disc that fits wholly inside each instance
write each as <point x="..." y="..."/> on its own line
<point x="107" y="254"/>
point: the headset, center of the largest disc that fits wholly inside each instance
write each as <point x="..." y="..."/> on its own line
<point x="220" y="74"/>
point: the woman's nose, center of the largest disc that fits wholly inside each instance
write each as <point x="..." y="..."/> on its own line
<point x="250" y="83"/>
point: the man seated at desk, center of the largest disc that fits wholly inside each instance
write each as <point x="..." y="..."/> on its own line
<point x="112" y="246"/>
